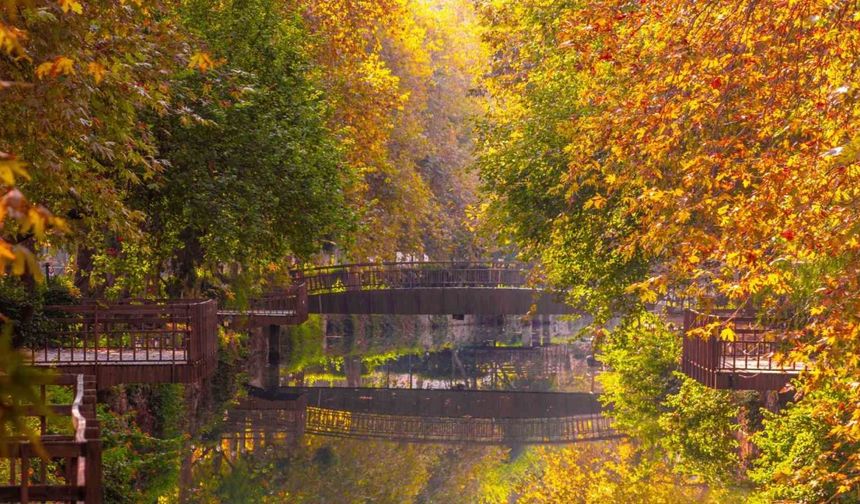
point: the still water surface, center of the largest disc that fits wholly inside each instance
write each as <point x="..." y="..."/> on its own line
<point x="359" y="409"/>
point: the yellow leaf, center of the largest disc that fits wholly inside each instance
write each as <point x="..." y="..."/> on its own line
<point x="60" y="65"/>
<point x="71" y="5"/>
<point x="201" y="61"/>
<point x="6" y="251"/>
<point x="19" y="265"/>
<point x="10" y="168"/>
<point x="36" y="222"/>
<point x="97" y="71"/>
<point x="727" y="334"/>
<point x="647" y="296"/>
<point x="597" y="202"/>
<point x="693" y="259"/>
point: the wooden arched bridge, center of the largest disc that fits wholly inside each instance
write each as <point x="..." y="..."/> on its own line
<point x="425" y="416"/>
<point x="426" y="288"/>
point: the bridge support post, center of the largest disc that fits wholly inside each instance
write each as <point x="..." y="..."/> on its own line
<point x="272" y="374"/>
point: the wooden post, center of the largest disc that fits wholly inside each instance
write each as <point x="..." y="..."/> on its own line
<point x="272" y="374"/>
<point x="93" y="488"/>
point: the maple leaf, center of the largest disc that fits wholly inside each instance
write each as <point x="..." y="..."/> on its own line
<point x="202" y="61"/>
<point x="10" y="168"/>
<point x="60" y="65"/>
<point x="97" y="71"/>
<point x="71" y="5"/>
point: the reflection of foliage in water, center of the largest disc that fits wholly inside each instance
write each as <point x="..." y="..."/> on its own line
<point x="329" y="470"/>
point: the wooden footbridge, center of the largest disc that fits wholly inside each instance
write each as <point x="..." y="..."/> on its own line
<point x="424" y="416"/>
<point x="176" y="341"/>
<point x="426" y="288"/>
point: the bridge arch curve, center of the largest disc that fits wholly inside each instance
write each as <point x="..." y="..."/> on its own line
<point x="426" y="288"/>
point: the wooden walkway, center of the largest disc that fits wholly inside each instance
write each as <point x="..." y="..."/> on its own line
<point x="426" y="288"/>
<point x="286" y="306"/>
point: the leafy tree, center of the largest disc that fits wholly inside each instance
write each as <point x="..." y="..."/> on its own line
<point x="72" y="109"/>
<point x="675" y="421"/>
<point x="535" y="199"/>
<point x="591" y="473"/>
<point x="699" y="432"/>
<point x="642" y="355"/>
<point x="257" y="176"/>
<point x="798" y="441"/>
<point x="713" y="147"/>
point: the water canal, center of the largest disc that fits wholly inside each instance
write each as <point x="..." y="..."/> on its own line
<point x="413" y="408"/>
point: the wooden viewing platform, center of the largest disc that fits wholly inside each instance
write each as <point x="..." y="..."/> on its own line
<point x="130" y="341"/>
<point x="70" y="470"/>
<point x="746" y="362"/>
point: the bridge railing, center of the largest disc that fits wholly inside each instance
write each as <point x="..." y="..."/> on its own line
<point x="410" y="275"/>
<point x="748" y="350"/>
<point x="97" y="333"/>
<point x="65" y="464"/>
<point x="283" y="306"/>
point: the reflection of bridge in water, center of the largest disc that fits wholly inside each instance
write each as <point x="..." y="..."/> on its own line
<point x="423" y="416"/>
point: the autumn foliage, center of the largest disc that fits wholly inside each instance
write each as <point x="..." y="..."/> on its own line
<point x="710" y="148"/>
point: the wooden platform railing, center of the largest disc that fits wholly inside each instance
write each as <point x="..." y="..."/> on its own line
<point x="410" y="275"/>
<point x="165" y="341"/>
<point x="65" y="465"/>
<point x="750" y="359"/>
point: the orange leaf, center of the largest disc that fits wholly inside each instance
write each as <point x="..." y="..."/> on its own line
<point x="60" y="65"/>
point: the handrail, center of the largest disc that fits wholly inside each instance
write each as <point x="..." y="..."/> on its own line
<point x="80" y="481"/>
<point x="78" y="419"/>
<point x="497" y="264"/>
<point x="398" y="275"/>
